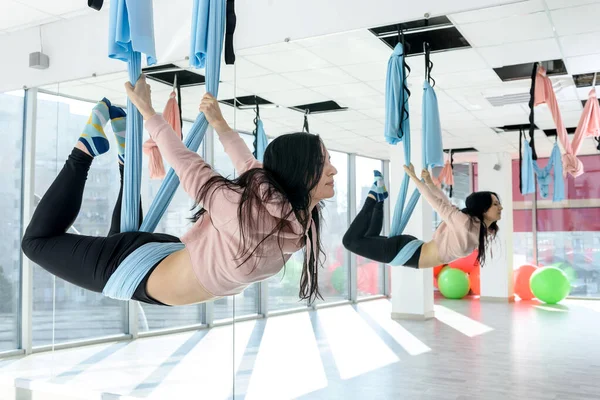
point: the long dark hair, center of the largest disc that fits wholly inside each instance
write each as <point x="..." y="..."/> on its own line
<point x="476" y="205"/>
<point x="292" y="168"/>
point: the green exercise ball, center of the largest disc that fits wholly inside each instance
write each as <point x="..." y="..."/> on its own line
<point x="339" y="277"/>
<point x="550" y="284"/>
<point x="453" y="283"/>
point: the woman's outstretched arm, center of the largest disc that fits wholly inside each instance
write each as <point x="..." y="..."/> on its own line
<point x="441" y="204"/>
<point x="234" y="145"/>
<point x="193" y="171"/>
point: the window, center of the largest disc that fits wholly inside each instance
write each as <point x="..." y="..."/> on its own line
<point x="11" y="128"/>
<point x="523" y="245"/>
<point x="174" y="222"/>
<point x="369" y="273"/>
<point x="333" y="277"/>
<point x="568" y="232"/>
<point x="63" y="312"/>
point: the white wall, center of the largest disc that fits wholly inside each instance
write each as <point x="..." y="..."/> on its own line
<point x="78" y="47"/>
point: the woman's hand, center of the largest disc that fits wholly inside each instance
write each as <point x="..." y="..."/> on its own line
<point x="410" y="170"/>
<point x="426" y="177"/>
<point x="210" y="107"/>
<point x="141" y="97"/>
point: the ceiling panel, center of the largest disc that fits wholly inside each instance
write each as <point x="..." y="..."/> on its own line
<point x="266" y="84"/>
<point x="583" y="64"/>
<point x="320" y="77"/>
<point x="289" y="61"/>
<point x="465" y="80"/>
<point x="295" y="97"/>
<point x="366" y="72"/>
<point x="554" y="4"/>
<point x="346" y="90"/>
<point x="581" y="44"/>
<point x="574" y="20"/>
<point x="521" y="52"/>
<point x="517" y="28"/>
<point x="60" y="7"/>
<point x="493" y="13"/>
<point x="16" y="15"/>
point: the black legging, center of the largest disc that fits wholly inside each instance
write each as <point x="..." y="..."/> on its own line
<point x="362" y="237"/>
<point x="85" y="261"/>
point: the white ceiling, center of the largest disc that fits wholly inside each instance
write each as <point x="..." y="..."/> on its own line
<point x="21" y="14"/>
<point x="350" y="68"/>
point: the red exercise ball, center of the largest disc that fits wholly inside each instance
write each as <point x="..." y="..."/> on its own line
<point x="438" y="269"/>
<point x="466" y="264"/>
<point x="475" y="281"/>
<point x="522" y="275"/>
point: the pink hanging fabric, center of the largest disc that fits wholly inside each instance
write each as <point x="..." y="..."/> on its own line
<point x="445" y="176"/>
<point x="155" y="162"/>
<point x="589" y="123"/>
<point x="544" y="93"/>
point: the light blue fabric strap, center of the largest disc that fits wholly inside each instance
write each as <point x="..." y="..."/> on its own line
<point x="131" y="29"/>
<point x="261" y="141"/>
<point x="406" y="252"/>
<point x="208" y="30"/>
<point x="132" y="270"/>
<point x="527" y="169"/>
<point x="396" y="98"/>
<point x="433" y="151"/>
<point x="132" y="171"/>
<point x="559" y="180"/>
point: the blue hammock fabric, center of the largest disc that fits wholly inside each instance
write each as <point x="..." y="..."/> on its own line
<point x="208" y="25"/>
<point x="433" y="152"/>
<point x="208" y="30"/>
<point x="131" y="30"/>
<point x="131" y="33"/>
<point x="124" y="281"/>
<point x="530" y="167"/>
<point x="397" y="122"/>
<point x="397" y="129"/>
<point x="261" y="141"/>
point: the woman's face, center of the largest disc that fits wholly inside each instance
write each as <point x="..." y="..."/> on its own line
<point x="325" y="188"/>
<point x="494" y="213"/>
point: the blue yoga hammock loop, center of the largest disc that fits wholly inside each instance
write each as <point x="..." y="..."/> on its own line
<point x="131" y="33"/>
<point x="397" y="129"/>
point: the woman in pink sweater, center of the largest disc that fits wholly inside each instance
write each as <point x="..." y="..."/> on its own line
<point x="245" y="230"/>
<point x="460" y="233"/>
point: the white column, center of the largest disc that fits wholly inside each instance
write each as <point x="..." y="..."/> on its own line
<point x="412" y="289"/>
<point x="495" y="174"/>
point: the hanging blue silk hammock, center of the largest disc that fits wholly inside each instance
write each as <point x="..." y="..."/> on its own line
<point x="397" y="129"/>
<point x="261" y="141"/>
<point x="529" y="167"/>
<point x="208" y="29"/>
<point x="131" y="32"/>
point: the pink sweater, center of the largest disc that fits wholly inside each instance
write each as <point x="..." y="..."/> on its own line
<point x="457" y="236"/>
<point x="213" y="241"/>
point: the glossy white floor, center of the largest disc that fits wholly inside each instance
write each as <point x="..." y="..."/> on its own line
<point x="471" y="350"/>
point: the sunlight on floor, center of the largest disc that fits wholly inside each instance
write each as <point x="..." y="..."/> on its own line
<point x="208" y="368"/>
<point x="289" y="344"/>
<point x="380" y="312"/>
<point x="460" y="322"/>
<point x="356" y="348"/>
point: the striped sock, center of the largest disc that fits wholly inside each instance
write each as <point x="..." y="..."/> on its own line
<point x="93" y="136"/>
<point x="378" y="189"/>
<point x="118" y="122"/>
